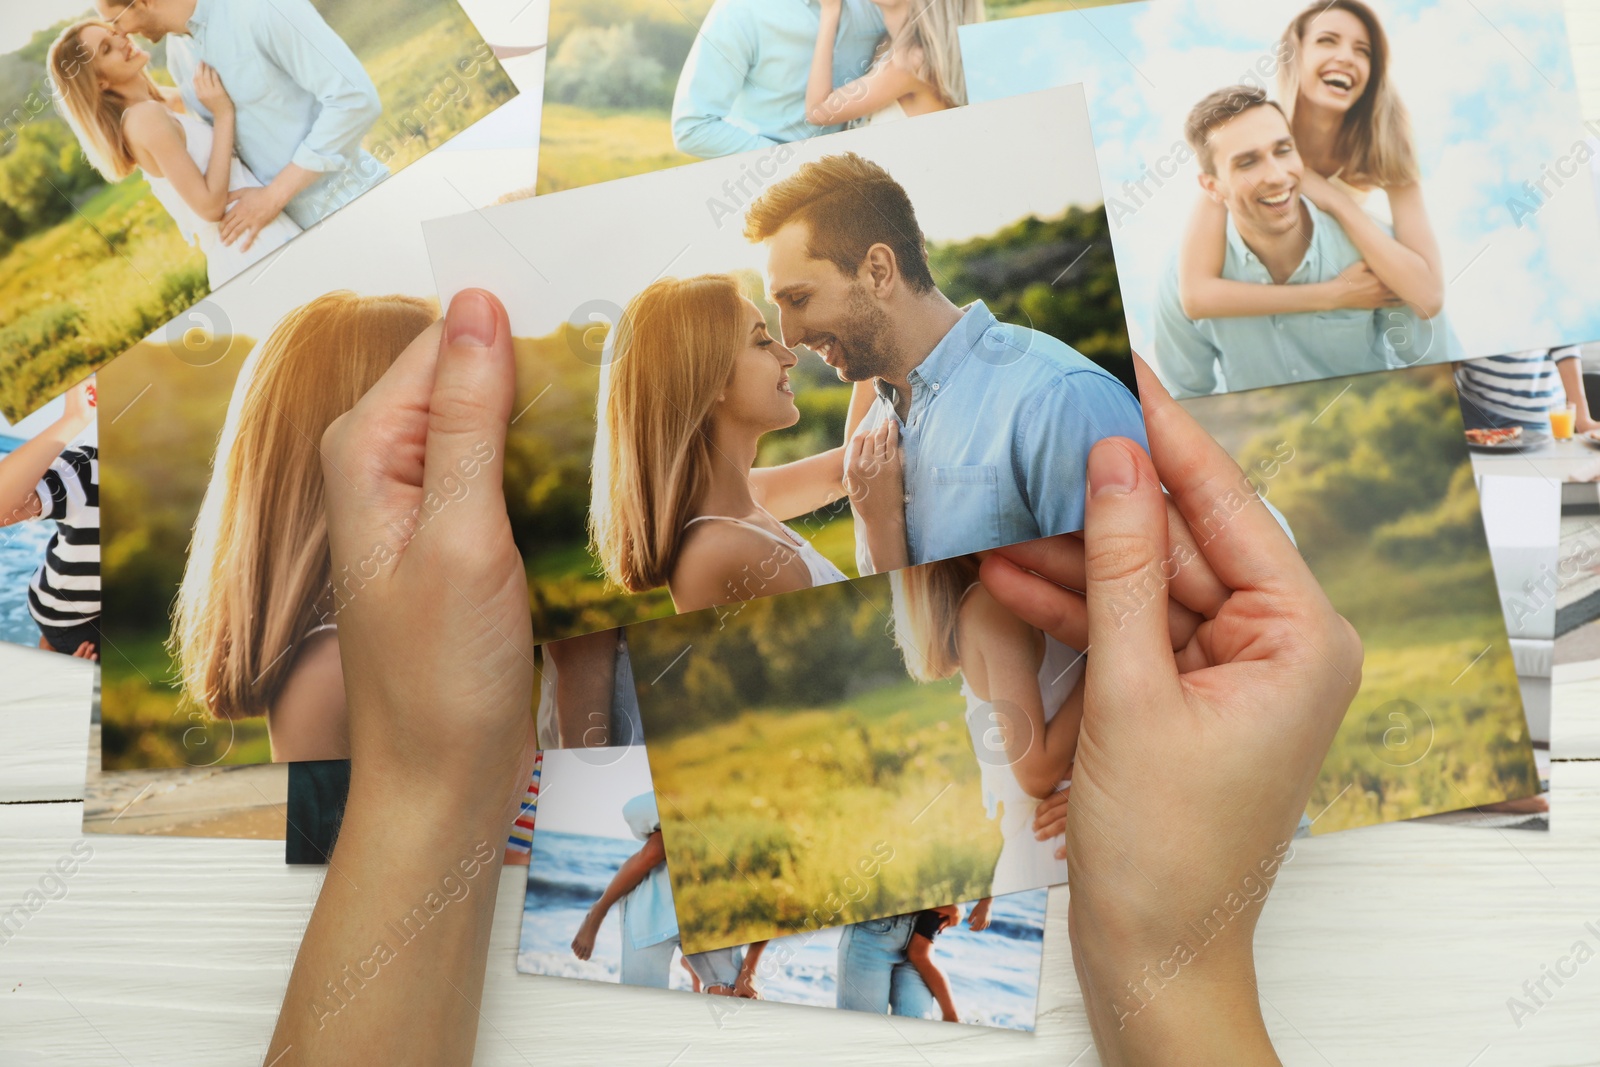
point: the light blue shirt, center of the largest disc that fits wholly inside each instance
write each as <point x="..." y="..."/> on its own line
<point x="299" y="94"/>
<point x="996" y="440"/>
<point x="1231" y="354"/>
<point x="648" y="916"/>
<point x="744" y="84"/>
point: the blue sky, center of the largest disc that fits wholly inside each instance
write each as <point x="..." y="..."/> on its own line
<point x="1490" y="88"/>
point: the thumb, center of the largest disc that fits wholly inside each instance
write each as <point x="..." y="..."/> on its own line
<point x="473" y="385"/>
<point x="1125" y="550"/>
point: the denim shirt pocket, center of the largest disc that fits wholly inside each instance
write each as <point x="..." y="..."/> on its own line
<point x="962" y="514"/>
<point x="1343" y="337"/>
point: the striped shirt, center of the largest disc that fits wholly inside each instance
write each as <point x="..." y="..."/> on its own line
<point x="520" y="843"/>
<point x="66" y="590"/>
<point x="1519" y="388"/>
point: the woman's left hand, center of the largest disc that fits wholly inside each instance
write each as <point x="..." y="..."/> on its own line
<point x="874" y="475"/>
<point x="978" y="917"/>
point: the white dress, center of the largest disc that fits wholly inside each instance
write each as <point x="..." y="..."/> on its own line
<point x="893" y="112"/>
<point x="1025" y="863"/>
<point x="222" y="261"/>
<point x="822" y="570"/>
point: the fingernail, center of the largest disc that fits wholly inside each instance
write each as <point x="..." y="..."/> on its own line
<point x="1111" y="469"/>
<point x="471" y="320"/>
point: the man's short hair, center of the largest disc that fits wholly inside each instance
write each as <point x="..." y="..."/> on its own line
<point x="849" y="205"/>
<point x="1217" y="110"/>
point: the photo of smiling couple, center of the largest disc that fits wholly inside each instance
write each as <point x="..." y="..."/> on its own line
<point x="962" y="432"/>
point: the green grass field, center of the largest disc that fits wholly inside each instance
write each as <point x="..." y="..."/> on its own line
<point x="582" y="146"/>
<point x="806" y="798"/>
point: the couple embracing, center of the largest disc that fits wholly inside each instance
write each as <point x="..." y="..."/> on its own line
<point x="239" y="182"/>
<point x="964" y="433"/>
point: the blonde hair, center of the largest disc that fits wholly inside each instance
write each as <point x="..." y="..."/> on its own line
<point x="930" y="34"/>
<point x="94" y="114"/>
<point x="1375" y="140"/>
<point x="927" y="610"/>
<point x="259" y="566"/>
<point x="670" y="355"/>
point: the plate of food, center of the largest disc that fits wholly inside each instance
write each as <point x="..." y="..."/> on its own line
<point x="1508" y="439"/>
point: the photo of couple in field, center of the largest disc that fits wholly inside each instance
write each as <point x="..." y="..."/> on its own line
<point x="600" y="907"/>
<point x="1314" y="190"/>
<point x="791" y="739"/>
<point x="155" y="149"/>
<point x="855" y="369"/>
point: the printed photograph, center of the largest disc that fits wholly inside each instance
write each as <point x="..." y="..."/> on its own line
<point x="786" y="368"/>
<point x="599" y="907"/>
<point x="212" y="432"/>
<point x="153" y="149"/>
<point x="1299" y="192"/>
<point x="797" y="741"/>
<point x="50" y="526"/>
<point x="1522" y="518"/>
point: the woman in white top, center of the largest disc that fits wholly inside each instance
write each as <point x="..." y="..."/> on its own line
<point x="692" y="383"/>
<point x="1024" y="702"/>
<point x="1354" y="136"/>
<point x="917" y="69"/>
<point x="125" y="121"/>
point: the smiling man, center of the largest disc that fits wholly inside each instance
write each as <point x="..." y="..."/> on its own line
<point x="1275" y="236"/>
<point x="996" y="421"/>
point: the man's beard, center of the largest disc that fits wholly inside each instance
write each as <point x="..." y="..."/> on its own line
<point x="866" y="336"/>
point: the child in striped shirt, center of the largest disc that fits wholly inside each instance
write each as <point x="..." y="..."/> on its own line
<point x="48" y="477"/>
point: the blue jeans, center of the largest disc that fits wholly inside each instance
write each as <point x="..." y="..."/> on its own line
<point x="874" y="974"/>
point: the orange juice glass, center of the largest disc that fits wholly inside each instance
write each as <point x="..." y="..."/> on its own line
<point x="1562" y="420"/>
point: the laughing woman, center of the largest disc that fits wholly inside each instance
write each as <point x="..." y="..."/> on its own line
<point x="253" y="631"/>
<point x="694" y="381"/>
<point x="1354" y="136"/>
<point x="916" y="70"/>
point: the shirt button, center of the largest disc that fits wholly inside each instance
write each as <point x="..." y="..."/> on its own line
<point x="906" y="499"/>
<point x="935" y="387"/>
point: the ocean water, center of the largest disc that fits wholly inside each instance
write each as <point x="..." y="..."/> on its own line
<point x="21" y="552"/>
<point x="994" y="974"/>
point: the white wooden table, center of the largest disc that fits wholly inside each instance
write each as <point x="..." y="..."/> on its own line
<point x="1392" y="945"/>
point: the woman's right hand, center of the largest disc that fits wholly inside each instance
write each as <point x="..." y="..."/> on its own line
<point x="78" y="411"/>
<point x="1359" y="288"/>
<point x="874" y="475"/>
<point x="208" y="89"/>
<point x="588" y="931"/>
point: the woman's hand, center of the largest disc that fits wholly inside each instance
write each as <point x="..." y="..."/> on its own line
<point x="1358" y="287"/>
<point x="978" y="917"/>
<point x="209" y="91"/>
<point x="436" y="638"/>
<point x="1195" y="763"/>
<point x="874" y="477"/>
<point x="588" y="932"/>
<point x="436" y="642"/>
<point x="79" y="407"/>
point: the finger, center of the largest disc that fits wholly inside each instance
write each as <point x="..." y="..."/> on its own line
<point x="1241" y="541"/>
<point x="250" y="238"/>
<point x="474" y="380"/>
<point x="1037" y="601"/>
<point x="372" y="454"/>
<point x="1125" y="545"/>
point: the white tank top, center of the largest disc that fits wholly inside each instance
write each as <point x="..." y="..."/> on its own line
<point x="822" y="570"/>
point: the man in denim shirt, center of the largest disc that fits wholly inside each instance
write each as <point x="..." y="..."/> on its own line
<point x="743" y="86"/>
<point x="303" y="101"/>
<point x="996" y="420"/>
<point x="1275" y="236"/>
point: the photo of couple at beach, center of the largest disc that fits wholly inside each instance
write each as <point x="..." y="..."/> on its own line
<point x="1313" y="190"/>
<point x="50" y="526"/>
<point x="155" y="149"/>
<point x="600" y="907"/>
<point x="856" y="369"/>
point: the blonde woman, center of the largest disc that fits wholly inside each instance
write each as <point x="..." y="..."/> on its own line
<point x="1024" y="702"/>
<point x="253" y="628"/>
<point x="693" y="382"/>
<point x="917" y="68"/>
<point x="1354" y="135"/>
<point x="125" y="122"/>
